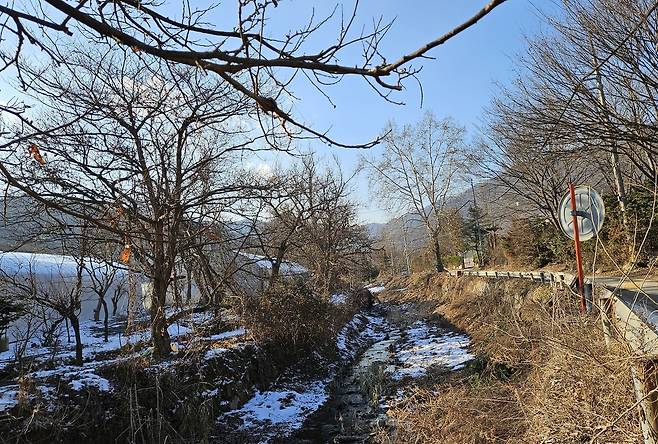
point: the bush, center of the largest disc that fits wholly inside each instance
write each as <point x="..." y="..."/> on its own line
<point x="452" y="261"/>
<point x="293" y="323"/>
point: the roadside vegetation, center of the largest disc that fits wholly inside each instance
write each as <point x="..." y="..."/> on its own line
<point x="541" y="372"/>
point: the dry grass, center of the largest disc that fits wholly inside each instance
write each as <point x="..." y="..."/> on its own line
<point x="543" y="374"/>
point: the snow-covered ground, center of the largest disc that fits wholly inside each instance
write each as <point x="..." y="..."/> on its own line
<point x="8" y="397"/>
<point x="362" y="329"/>
<point x="338" y="299"/>
<point x="424" y="346"/>
<point x="93" y="342"/>
<point x="228" y="334"/>
<point x="59" y="374"/>
<point x="279" y="412"/>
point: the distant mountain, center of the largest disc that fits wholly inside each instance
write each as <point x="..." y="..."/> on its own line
<point x="25" y="225"/>
<point x="499" y="208"/>
<point x="374" y="229"/>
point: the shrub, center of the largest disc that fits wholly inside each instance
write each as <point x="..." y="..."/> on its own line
<point x="452" y="261"/>
<point x="292" y="322"/>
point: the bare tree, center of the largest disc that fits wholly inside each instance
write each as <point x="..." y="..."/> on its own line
<point x="299" y="195"/>
<point x="246" y="55"/>
<point x="588" y="94"/>
<point x="420" y="168"/>
<point x="150" y="157"/>
<point x="334" y="246"/>
<point x="307" y="217"/>
<point x="537" y="180"/>
<point x="106" y="278"/>
<point x="48" y="292"/>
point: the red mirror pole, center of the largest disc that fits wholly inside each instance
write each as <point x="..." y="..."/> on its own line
<point x="579" y="257"/>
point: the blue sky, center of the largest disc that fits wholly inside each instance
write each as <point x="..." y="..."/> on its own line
<point x="460" y="82"/>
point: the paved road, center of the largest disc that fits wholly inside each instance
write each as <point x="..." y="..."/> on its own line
<point x="640" y="295"/>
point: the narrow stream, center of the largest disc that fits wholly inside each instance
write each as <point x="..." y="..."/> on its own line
<point x="408" y="345"/>
<point x="353" y="410"/>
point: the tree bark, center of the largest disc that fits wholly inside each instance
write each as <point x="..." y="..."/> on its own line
<point x="276" y="264"/>
<point x="159" y="332"/>
<point x="438" y="262"/>
<point x="188" y="295"/>
<point x="106" y="321"/>
<point x="75" y="323"/>
<point x="97" y="310"/>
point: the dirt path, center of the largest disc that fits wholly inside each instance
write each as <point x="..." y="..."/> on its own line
<point x="408" y="347"/>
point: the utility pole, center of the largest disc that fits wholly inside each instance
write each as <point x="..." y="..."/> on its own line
<point x="478" y="249"/>
<point x="579" y="257"/>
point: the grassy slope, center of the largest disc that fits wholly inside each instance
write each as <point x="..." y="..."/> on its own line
<point x="542" y="375"/>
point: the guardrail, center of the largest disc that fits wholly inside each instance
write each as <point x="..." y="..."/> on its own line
<point x="625" y="314"/>
<point x="543" y="277"/>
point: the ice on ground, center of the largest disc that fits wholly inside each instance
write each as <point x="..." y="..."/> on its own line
<point x="338" y="299"/>
<point x="378" y="289"/>
<point x="8" y="397"/>
<point x="426" y="346"/>
<point x="281" y="411"/>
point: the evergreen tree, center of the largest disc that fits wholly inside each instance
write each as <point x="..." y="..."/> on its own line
<point x="475" y="232"/>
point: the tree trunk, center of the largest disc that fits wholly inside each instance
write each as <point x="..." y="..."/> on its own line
<point x="437" y="254"/>
<point x="106" y="321"/>
<point x="97" y="310"/>
<point x="159" y="333"/>
<point x="188" y="296"/>
<point x="75" y="323"/>
<point x="276" y="264"/>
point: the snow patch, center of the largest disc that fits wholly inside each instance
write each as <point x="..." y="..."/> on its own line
<point x="425" y="347"/>
<point x="227" y="335"/>
<point x="88" y="379"/>
<point x="282" y="410"/>
<point x="360" y="330"/>
<point x="78" y="378"/>
<point x="214" y="353"/>
<point x="8" y="397"/>
<point x="338" y="299"/>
